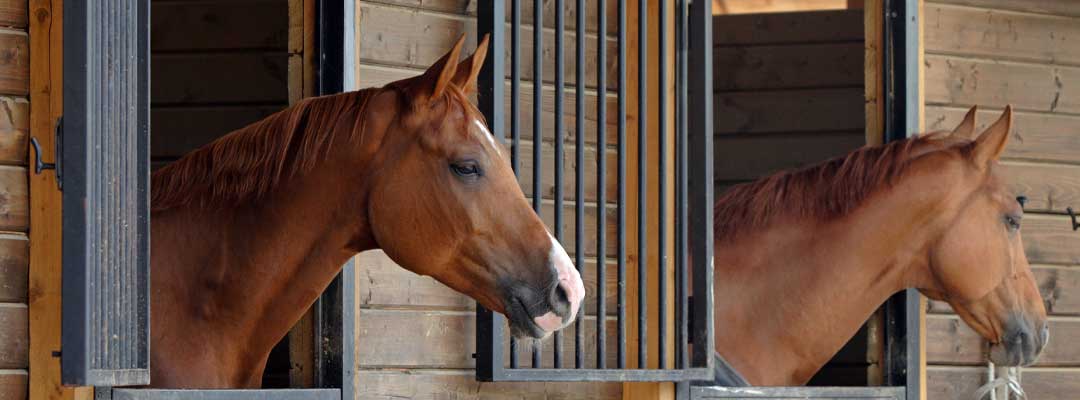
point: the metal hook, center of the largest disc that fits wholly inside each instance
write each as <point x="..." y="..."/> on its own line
<point x="1022" y="200"/>
<point x="1072" y="214"/>
<point x="38" y="164"/>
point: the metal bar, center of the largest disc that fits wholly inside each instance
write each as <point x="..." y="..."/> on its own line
<point x="642" y="193"/>
<point x="717" y="392"/>
<point x="621" y="219"/>
<point x="681" y="205"/>
<point x="226" y="394"/>
<point x="560" y="132"/>
<point x="489" y="325"/>
<point x="611" y="375"/>
<point x="661" y="184"/>
<point x="515" y="116"/>
<point x="601" y="178"/>
<point x="579" y="195"/>
<point x="700" y="143"/>
<point x="538" y="125"/>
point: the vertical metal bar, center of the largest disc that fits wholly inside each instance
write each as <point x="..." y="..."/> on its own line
<point x="642" y="193"/>
<point x="560" y="132"/>
<point x="579" y="195"/>
<point x="621" y="219"/>
<point x="601" y="181"/>
<point x="661" y="184"/>
<point x="700" y="141"/>
<point x="490" y="85"/>
<point x="515" y="116"/>
<point x="538" y="125"/>
<point x="681" y="217"/>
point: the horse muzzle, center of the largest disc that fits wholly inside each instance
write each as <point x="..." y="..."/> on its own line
<point x="1022" y="343"/>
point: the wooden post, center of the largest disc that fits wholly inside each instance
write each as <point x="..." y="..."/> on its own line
<point x="46" y="99"/>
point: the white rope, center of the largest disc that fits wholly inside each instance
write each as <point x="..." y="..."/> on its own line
<point x="1011" y="382"/>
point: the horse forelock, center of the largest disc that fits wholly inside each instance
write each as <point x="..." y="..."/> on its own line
<point x="831" y="189"/>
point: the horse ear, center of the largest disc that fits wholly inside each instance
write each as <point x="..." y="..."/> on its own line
<point x="468" y="70"/>
<point x="991" y="143"/>
<point x="439" y="75"/>
<point x="966" y="129"/>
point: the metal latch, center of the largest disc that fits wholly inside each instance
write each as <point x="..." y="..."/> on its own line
<point x="40" y="165"/>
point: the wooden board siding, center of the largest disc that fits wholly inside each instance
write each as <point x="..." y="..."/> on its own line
<point x="420" y="333"/>
<point x="1025" y="53"/>
<point x="789" y="93"/>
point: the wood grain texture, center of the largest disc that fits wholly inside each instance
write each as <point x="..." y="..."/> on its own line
<point x="958" y="383"/>
<point x="14" y="385"/>
<point x="795" y="27"/>
<point x="14" y="199"/>
<point x="14" y="336"/>
<point x="400" y="37"/>
<point x="1051" y="7"/>
<point x="468" y="8"/>
<point x="179" y="130"/>
<point x="950" y="341"/>
<point x="385" y="284"/>
<point x="789" y="111"/>
<point x="462" y="385"/>
<point x="14" y="130"/>
<point x="1035" y="136"/>
<point x="752" y="157"/>
<point x="219" y="78"/>
<point x="1029" y="87"/>
<point x="1001" y="35"/>
<point x="222" y="25"/>
<point x="14" y="268"/>
<point x="1050" y="240"/>
<point x="14" y="63"/>
<point x="1048" y="187"/>
<point x="13" y="13"/>
<point x="788" y="66"/>
<point x="1060" y="288"/>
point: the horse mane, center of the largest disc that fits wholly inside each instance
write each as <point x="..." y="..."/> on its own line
<point x="827" y="190"/>
<point x="249" y="162"/>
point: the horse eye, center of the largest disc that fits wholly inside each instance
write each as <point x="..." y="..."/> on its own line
<point x="1012" y="222"/>
<point x="465" y="169"/>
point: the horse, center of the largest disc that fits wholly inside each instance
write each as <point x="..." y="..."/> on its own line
<point x="251" y="228"/>
<point x="804" y="257"/>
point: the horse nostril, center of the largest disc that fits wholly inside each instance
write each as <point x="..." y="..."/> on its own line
<point x="560" y="299"/>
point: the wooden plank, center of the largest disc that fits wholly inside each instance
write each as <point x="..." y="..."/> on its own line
<point x="547" y="187"/>
<point x="1048" y="187"/>
<point x="13" y="13"/>
<point x="14" y="336"/>
<point x="814" y="65"/>
<point x="468" y="8"/>
<point x="959" y="383"/>
<point x="46" y="40"/>
<point x="1035" y="136"/>
<point x="789" y="111"/>
<point x="1050" y="240"/>
<point x="386" y="284"/>
<point x="1051" y="7"/>
<point x="14" y="267"/>
<point x="202" y="26"/>
<point x="874" y="114"/>
<point x="462" y="385"/>
<point x="219" y="78"/>
<point x="390" y="36"/>
<point x="447" y="339"/>
<point x="14" y="63"/>
<point x="1002" y="35"/>
<point x="14" y="199"/>
<point x="1060" y="288"/>
<point x="14" y="129"/>
<point x="794" y="27"/>
<point x="179" y="130"/>
<point x="952" y="342"/>
<point x="1028" y="87"/>
<point x="13" y="385"/>
<point x="752" y="157"/>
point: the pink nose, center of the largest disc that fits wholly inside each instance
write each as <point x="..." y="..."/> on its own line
<point x="570" y="285"/>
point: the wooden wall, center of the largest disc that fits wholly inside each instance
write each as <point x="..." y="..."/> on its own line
<point x="14" y="199"/>
<point x="215" y="66"/>
<point x="416" y="335"/>
<point x="789" y="92"/>
<point x="1026" y="53"/>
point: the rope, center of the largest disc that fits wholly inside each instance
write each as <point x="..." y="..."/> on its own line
<point x="1011" y="381"/>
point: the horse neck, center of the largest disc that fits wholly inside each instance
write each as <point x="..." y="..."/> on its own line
<point x="792" y="294"/>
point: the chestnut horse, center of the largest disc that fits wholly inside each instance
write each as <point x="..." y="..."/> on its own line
<point x="251" y="228"/>
<point x="803" y="258"/>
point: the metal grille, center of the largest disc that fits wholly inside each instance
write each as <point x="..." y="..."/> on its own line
<point x="498" y="360"/>
<point x="106" y="226"/>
